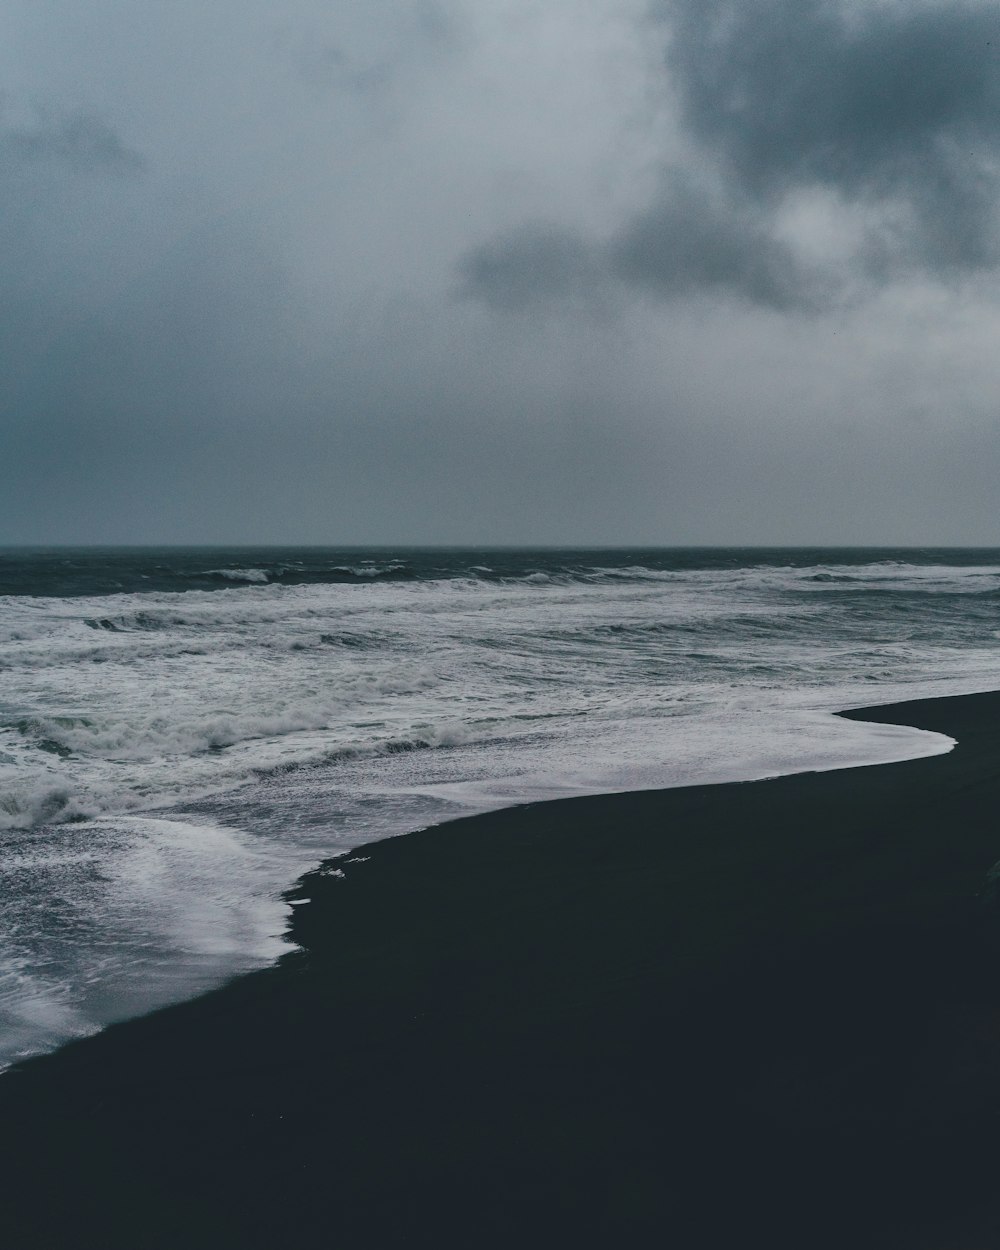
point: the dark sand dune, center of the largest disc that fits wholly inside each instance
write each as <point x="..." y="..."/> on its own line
<point x="759" y="1014"/>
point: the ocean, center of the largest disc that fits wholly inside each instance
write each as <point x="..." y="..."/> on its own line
<point x="184" y="732"/>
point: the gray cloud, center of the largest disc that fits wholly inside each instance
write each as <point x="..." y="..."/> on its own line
<point x="538" y="262"/>
<point x="885" y="105"/>
<point x="891" y="110"/>
<point x="424" y="30"/>
<point x="79" y="143"/>
<point x="690" y="241"/>
<point x="259" y="338"/>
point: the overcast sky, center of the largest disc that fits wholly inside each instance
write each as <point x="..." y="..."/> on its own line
<point x="473" y="271"/>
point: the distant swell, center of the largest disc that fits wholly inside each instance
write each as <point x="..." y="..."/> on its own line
<point x="282" y="575"/>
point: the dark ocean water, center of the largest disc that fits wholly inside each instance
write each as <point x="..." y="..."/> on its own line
<point x="184" y="731"/>
<point x="65" y="571"/>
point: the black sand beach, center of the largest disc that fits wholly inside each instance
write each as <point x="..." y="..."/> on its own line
<point x="758" y="1014"/>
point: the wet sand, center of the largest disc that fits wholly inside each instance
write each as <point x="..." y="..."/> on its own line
<point x="755" y="1014"/>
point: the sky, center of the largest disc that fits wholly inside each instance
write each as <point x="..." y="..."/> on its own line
<point x="435" y="271"/>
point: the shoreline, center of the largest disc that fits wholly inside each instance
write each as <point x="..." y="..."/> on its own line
<point x="760" y="1011"/>
<point x="190" y="977"/>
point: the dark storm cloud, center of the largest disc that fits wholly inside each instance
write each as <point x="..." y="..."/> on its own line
<point x="879" y="104"/>
<point x="538" y="262"/>
<point x="78" y="143"/>
<point x="893" y="111"/>
<point x="690" y="241"/>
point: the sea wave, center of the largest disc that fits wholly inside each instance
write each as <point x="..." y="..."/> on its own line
<point x="256" y="576"/>
<point x="148" y="697"/>
<point x="302" y="702"/>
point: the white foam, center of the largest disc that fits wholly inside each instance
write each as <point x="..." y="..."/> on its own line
<point x="130" y="914"/>
<point x="258" y="576"/>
